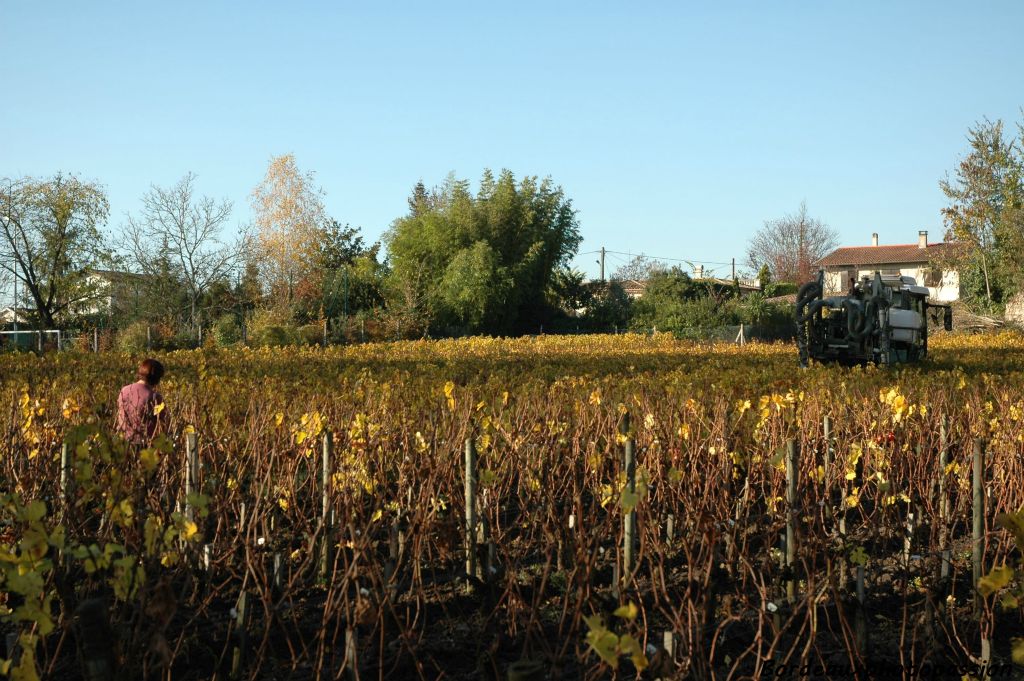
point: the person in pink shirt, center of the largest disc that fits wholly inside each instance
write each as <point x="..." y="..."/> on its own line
<point x="140" y="408"/>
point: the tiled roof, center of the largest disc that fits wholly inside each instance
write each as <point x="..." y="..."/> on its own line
<point x="885" y="255"/>
<point x="634" y="288"/>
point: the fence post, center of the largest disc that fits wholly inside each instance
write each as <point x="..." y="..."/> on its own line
<point x="325" y="333"/>
<point x="629" y="519"/>
<point x="40" y="332"/>
<point x="95" y="339"/>
<point x="791" y="516"/>
<point x="149" y="337"/>
<point x="470" y="481"/>
<point x="325" y="519"/>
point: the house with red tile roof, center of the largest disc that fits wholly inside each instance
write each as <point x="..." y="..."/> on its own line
<point x="923" y="261"/>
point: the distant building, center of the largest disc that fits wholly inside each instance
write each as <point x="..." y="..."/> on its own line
<point x="845" y="266"/>
<point x="114" y="291"/>
<point x="8" y="316"/>
<point x="633" y="288"/>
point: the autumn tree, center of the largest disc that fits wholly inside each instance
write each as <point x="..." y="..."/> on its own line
<point x="51" y="242"/>
<point x="791" y="246"/>
<point x="180" y="237"/>
<point x="985" y="215"/>
<point x="289" y="221"/>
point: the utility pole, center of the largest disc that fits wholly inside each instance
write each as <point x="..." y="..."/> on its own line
<point x="602" y="263"/>
<point x="734" y="269"/>
<point x="15" y="306"/>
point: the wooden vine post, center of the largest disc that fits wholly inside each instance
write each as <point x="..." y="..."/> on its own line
<point x="351" y="672"/>
<point x="827" y="433"/>
<point x="791" y="517"/>
<point x="471" y="484"/>
<point x="860" y="619"/>
<point x="943" y="499"/>
<point x="66" y="473"/>
<point x="827" y="466"/>
<point x="325" y="510"/>
<point x="978" y="541"/>
<point x="629" y="519"/>
<point x="241" y="636"/>
<point x="191" y="472"/>
<point x="978" y="525"/>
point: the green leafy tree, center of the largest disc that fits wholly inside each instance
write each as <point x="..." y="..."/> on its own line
<point x="51" y="242"/>
<point x="569" y="291"/>
<point x="764" y="279"/>
<point x="481" y="263"/>
<point x="664" y="298"/>
<point x="610" y="308"/>
<point x="985" y="215"/>
<point x="352" y="276"/>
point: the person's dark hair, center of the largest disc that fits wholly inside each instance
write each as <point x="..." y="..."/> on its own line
<point x="151" y="371"/>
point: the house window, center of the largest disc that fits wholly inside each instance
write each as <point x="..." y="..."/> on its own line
<point x="932" y="276"/>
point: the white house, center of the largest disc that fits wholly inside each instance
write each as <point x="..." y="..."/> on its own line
<point x="844" y="266"/>
<point x="8" y="315"/>
<point x="112" y="290"/>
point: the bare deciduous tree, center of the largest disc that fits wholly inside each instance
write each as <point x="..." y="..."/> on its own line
<point x="182" y="232"/>
<point x="791" y="246"/>
<point x="639" y="268"/>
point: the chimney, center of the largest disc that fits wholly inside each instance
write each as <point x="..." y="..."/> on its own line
<point x="874" y="239"/>
<point x="922" y="239"/>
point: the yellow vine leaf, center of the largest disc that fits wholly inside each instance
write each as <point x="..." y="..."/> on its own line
<point x="1017" y="650"/>
<point x="629" y="611"/>
<point x="995" y="580"/>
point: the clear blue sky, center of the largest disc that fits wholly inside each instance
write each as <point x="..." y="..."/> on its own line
<point x="676" y="128"/>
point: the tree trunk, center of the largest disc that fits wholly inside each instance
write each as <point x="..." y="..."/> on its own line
<point x="988" y="286"/>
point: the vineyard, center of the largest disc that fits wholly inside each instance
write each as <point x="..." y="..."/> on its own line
<point x="631" y="505"/>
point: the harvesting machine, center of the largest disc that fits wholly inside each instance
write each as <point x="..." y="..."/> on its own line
<point x="882" y="319"/>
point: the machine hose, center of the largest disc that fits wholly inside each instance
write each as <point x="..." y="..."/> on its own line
<point x="861" y="321"/>
<point x="804" y="295"/>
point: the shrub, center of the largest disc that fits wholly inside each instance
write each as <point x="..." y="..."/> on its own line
<point x="132" y="338"/>
<point x="311" y="334"/>
<point x="272" y="327"/>
<point x="227" y="330"/>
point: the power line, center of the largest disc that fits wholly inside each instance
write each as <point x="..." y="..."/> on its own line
<point x="688" y="261"/>
<point x="658" y="257"/>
